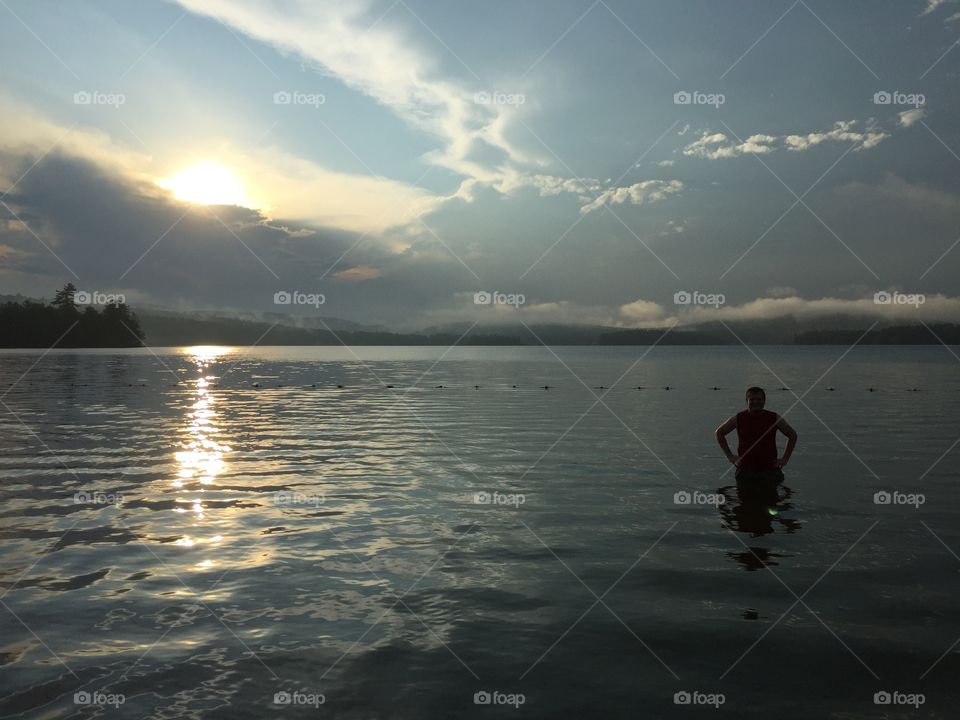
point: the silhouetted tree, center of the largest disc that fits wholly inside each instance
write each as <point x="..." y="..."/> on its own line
<point x="32" y="324"/>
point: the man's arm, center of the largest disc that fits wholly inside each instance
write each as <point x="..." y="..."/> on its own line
<point x="721" y="434"/>
<point x="784" y="427"/>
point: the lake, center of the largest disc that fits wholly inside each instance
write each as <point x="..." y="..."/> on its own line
<point x="276" y="531"/>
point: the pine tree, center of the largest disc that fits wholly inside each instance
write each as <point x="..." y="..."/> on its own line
<point x="63" y="300"/>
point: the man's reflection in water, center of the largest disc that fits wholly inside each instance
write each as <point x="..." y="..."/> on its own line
<point x="757" y="511"/>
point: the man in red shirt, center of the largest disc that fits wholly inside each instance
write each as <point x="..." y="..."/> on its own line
<point x="756" y="459"/>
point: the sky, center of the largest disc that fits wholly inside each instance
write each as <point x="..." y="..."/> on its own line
<point x="412" y="164"/>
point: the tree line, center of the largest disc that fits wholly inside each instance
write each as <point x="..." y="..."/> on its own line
<point x="62" y="323"/>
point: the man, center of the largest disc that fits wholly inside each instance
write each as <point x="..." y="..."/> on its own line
<point x="756" y="459"/>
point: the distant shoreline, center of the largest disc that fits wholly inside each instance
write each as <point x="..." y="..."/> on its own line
<point x="62" y="323"/>
<point x="452" y="342"/>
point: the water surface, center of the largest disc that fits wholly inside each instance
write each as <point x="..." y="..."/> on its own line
<point x="199" y="529"/>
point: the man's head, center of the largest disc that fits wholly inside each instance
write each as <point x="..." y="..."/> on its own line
<point x="756" y="399"/>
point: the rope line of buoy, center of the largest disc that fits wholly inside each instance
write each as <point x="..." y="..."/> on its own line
<point x="391" y="386"/>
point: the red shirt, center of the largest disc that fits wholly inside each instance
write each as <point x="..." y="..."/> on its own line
<point x="757" y="439"/>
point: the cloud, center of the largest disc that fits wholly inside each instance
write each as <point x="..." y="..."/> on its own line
<point x="934" y="308"/>
<point x="643" y="311"/>
<point x="842" y="132"/>
<point x="360" y="272"/>
<point x="461" y="307"/>
<point x="378" y="60"/>
<point x="931" y="6"/>
<point x="303" y="191"/>
<point x="909" y="117"/>
<point x="914" y="201"/>
<point x="123" y="234"/>
<point x="648" y="191"/>
<point x="937" y="308"/>
<point x="715" y="146"/>
<point x="281" y="185"/>
<point x="25" y="133"/>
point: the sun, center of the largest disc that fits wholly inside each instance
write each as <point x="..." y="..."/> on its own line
<point x="207" y="183"/>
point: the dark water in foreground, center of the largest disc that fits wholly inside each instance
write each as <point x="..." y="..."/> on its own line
<point x="175" y="538"/>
